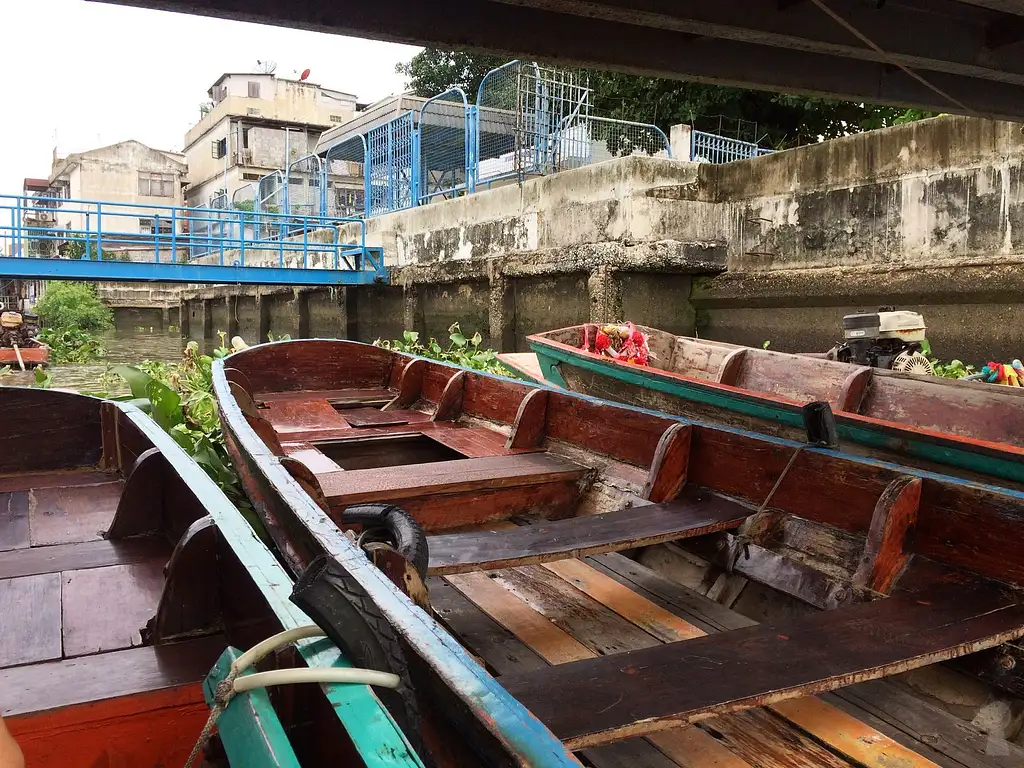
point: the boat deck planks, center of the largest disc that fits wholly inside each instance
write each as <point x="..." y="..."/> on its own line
<point x="577" y="536"/>
<point x="87" y="554"/>
<point x="514" y="633"/>
<point x="61" y="515"/>
<point x="30" y="621"/>
<point x="640" y="691"/>
<point x="314" y="415"/>
<point x="104" y="608"/>
<point x="14" y="529"/>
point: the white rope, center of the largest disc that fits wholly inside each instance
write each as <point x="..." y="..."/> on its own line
<point x="233" y="683"/>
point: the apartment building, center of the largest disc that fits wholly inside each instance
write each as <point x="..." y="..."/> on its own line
<point x="255" y="124"/>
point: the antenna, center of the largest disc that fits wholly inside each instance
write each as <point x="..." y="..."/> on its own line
<point x="266" y="66"/>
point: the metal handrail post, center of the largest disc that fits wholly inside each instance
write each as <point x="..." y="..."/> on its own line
<point x="174" y="236"/>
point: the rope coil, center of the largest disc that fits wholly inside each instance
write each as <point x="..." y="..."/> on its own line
<point x="233" y="684"/>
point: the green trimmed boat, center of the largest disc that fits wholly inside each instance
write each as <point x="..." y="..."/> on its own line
<point x="925" y="421"/>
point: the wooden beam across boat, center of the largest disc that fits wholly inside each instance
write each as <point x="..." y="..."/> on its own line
<point x="580" y="536"/>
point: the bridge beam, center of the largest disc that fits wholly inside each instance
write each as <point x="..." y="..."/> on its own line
<point x="753" y="43"/>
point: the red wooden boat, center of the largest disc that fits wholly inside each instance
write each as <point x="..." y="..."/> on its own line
<point x="528" y="495"/>
<point x="124" y="573"/>
<point x="31" y="356"/>
<point x="927" y="421"/>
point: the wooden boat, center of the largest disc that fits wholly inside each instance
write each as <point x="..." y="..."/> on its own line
<point x="558" y="648"/>
<point x="38" y="354"/>
<point x="124" y="574"/>
<point x="926" y="421"/>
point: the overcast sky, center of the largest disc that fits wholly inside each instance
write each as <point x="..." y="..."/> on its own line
<point x="79" y="75"/>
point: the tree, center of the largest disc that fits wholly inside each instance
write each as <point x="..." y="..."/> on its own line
<point x="73" y="306"/>
<point x="771" y="119"/>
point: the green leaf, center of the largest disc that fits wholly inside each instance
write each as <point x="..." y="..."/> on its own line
<point x="137" y="379"/>
<point x="458" y="339"/>
<point x="477" y="338"/>
<point x="166" y="404"/>
<point x="411" y="337"/>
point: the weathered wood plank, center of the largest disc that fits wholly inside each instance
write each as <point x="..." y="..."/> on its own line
<point x="461" y="475"/>
<point x="29" y="620"/>
<point x="644" y="691"/>
<point x="576" y="536"/>
<point x="14" y="528"/>
<point x="80" y="556"/>
<point x="667" y="475"/>
<point x="67" y="515"/>
<point x="106" y="676"/>
<point x="105" y="609"/>
<point x="886" y="548"/>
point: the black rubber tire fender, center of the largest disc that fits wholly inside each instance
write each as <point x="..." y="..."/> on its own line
<point x="339" y="605"/>
<point x="404" y="530"/>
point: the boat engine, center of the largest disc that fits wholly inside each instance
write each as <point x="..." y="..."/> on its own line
<point x="888" y="338"/>
<point x="17" y="329"/>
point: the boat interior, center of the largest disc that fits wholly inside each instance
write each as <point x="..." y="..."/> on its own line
<point x="929" y="402"/>
<point x="542" y="507"/>
<point x="119" y="592"/>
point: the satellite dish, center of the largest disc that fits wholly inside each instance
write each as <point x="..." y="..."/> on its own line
<point x="266" y="66"/>
<point x="304" y="75"/>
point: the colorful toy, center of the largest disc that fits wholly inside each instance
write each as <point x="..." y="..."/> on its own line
<point x="625" y="343"/>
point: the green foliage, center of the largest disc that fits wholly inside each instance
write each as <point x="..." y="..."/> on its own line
<point x="72" y="346"/>
<point x="73" y="306"/>
<point x="43" y="378"/>
<point x="777" y="120"/>
<point x="460" y="350"/>
<point x="954" y="369"/>
<point x="244" y="205"/>
<point x="179" y="397"/>
<point x="767" y="343"/>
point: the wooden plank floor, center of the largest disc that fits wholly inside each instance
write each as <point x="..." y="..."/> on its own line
<point x="66" y="592"/>
<point x="520" y="619"/>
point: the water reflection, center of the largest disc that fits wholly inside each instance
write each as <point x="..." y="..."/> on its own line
<point x="127" y="347"/>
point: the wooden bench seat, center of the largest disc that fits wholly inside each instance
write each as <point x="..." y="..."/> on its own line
<point x="441" y="477"/>
<point x="644" y="691"/>
<point x="692" y="515"/>
<point x="306" y="416"/>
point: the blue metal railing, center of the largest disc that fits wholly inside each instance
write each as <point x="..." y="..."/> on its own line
<point x="139" y="241"/>
<point x="712" y="148"/>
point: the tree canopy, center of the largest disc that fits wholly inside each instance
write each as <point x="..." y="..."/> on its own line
<point x="771" y="119"/>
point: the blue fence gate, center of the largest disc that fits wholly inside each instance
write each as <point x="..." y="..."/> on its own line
<point x="391" y="161"/>
<point x="445" y="146"/>
<point x="342" y="163"/>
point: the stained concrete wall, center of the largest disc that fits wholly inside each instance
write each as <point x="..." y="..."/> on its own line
<point x="928" y="215"/>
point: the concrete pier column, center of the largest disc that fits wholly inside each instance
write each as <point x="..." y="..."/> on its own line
<point x="680" y="138"/>
<point x="301" y="302"/>
<point x="345" y="327"/>
<point x="263" y="313"/>
<point x="502" y="314"/>
<point x="183" y="319"/>
<point x="165" y="319"/>
<point x="605" y="295"/>
<point x="207" y="305"/>
<point x="231" y="304"/>
<point x="412" y="310"/>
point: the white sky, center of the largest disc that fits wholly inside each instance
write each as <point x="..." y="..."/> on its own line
<point x="79" y="75"/>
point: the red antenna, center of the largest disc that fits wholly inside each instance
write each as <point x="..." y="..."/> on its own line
<point x="304" y="75"/>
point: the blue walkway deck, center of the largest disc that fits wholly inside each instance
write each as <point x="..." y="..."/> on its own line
<point x="59" y="239"/>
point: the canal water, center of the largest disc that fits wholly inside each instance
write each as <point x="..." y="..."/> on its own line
<point x="124" y="347"/>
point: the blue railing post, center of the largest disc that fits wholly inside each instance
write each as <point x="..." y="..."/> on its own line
<point x="174" y="236"/>
<point x="19" y="221"/>
<point x="241" y="243"/>
<point x="156" y="237"/>
<point x="99" y="231"/>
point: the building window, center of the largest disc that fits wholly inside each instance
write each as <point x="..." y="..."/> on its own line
<point x="252" y="111"/>
<point x="220" y="93"/>
<point x="254" y="90"/>
<point x="156" y="184"/>
<point x="337" y="119"/>
<point x="148" y="225"/>
<point x="245" y="138"/>
<point x="251" y="177"/>
<point x="219" y="148"/>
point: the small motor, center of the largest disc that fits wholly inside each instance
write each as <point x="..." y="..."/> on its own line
<point x="888" y="338"/>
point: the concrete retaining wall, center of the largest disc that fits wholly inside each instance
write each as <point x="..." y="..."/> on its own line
<point x="929" y="215"/>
